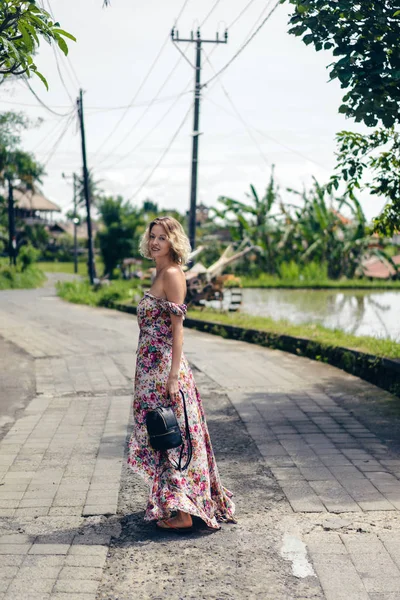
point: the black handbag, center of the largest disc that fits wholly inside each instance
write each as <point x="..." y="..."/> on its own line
<point x="164" y="433"/>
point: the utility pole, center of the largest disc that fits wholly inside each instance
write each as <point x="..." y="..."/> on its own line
<point x="196" y="120"/>
<point x="12" y="239"/>
<point x="91" y="265"/>
<point x="75" y="221"/>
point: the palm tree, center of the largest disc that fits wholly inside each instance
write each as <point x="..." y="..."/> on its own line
<point x="254" y="220"/>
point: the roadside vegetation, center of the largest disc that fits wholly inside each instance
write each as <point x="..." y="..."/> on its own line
<point x="129" y="292"/>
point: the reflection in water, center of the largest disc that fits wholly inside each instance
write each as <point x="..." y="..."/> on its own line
<point x="361" y="312"/>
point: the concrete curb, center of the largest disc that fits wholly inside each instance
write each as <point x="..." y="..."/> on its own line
<point x="383" y="372"/>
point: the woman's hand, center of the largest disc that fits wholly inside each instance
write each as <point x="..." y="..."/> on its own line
<point x="173" y="385"/>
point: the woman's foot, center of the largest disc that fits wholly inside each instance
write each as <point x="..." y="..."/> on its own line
<point x="181" y="520"/>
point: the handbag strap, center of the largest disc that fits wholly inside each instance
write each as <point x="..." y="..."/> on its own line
<point x="179" y="466"/>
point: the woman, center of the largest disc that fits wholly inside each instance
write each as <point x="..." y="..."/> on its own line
<point x="162" y="370"/>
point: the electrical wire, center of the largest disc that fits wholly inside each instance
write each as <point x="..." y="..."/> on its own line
<point x="239" y="116"/>
<point x="25" y="80"/>
<point x="58" y="141"/>
<point x="268" y="136"/>
<point x="144" y="138"/>
<point x="210" y="12"/>
<point x="240" y="50"/>
<point x="155" y="61"/>
<point x="163" y="155"/>
<point x="48" y="134"/>
<point x="56" y="51"/>
<point x="241" y="14"/>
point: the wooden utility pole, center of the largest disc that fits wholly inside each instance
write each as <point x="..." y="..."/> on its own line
<point x="196" y="121"/>
<point x="91" y="265"/>
<point x="12" y="239"/>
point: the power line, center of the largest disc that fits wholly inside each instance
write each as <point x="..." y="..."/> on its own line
<point x="268" y="136"/>
<point x="241" y="13"/>
<point x="25" y="80"/>
<point x="164" y="153"/>
<point x="155" y="61"/>
<point x="56" y="55"/>
<point x="58" y="141"/>
<point x="48" y="134"/>
<point x="239" y="116"/>
<point x="140" y="142"/>
<point x="210" y="12"/>
<point x="244" y="45"/>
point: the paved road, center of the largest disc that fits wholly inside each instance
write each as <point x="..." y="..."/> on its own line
<point x="309" y="451"/>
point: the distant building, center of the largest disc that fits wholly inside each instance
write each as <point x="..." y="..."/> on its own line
<point x="67" y="227"/>
<point x="34" y="208"/>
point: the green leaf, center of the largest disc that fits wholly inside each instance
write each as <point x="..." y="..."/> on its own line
<point x="63" y="45"/>
<point x="42" y="78"/>
<point x="25" y="35"/>
<point x="397" y="13"/>
<point x="64" y="33"/>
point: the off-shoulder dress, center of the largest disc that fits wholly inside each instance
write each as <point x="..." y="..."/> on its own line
<point x="198" y="490"/>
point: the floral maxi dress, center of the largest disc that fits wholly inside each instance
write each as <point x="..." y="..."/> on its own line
<point x="198" y="489"/>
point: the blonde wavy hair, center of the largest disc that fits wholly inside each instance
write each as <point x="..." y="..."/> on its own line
<point x="180" y="246"/>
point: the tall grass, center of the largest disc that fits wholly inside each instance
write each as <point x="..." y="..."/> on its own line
<point x="12" y="278"/>
<point x="81" y="292"/>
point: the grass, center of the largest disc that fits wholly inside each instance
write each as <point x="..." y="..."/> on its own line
<point x="331" y="337"/>
<point x="12" y="278"/>
<point x="271" y="281"/>
<point x="81" y="292"/>
<point x="67" y="267"/>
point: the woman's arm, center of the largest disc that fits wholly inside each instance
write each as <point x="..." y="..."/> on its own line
<point x="175" y="291"/>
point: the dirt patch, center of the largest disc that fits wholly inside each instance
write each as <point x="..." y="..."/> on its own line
<point x="240" y="561"/>
<point x="17" y="383"/>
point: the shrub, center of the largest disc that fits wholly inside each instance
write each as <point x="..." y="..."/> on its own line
<point x="27" y="256"/>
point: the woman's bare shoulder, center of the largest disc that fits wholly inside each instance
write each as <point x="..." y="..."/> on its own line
<point x="174" y="282"/>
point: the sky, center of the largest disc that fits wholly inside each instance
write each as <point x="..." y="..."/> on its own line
<point x="273" y="105"/>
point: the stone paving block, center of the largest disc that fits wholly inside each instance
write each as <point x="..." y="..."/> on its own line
<point x="40" y="560"/>
<point x="66" y="596"/>
<point x="38" y="511"/>
<point x="65" y="511"/>
<point x="317" y="474"/>
<point x="68" y="501"/>
<point x="49" y="549"/>
<point x="73" y="573"/>
<point x="84" y="586"/>
<point x="8" y="503"/>
<point x="334" y="496"/>
<point x="287" y="473"/>
<point x="4" y="585"/>
<point x="325" y="543"/>
<point x="384" y="596"/>
<point x="11" y="560"/>
<point x="30" y="586"/>
<point x="7" y="512"/>
<point x="14" y="548"/>
<point x="301" y="497"/>
<point x="376" y="505"/>
<point x="362" y="543"/>
<point x="84" y="561"/>
<point x="43" y="571"/>
<point x="22" y="595"/>
<point x="15" y="538"/>
<point x="382" y="584"/>
<point x="88" y="550"/>
<point x="35" y="503"/>
<point x="7" y="572"/>
<point x="99" y="509"/>
<point x="339" y="578"/>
